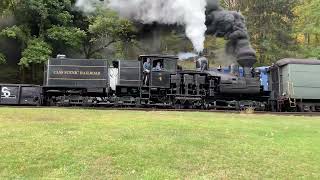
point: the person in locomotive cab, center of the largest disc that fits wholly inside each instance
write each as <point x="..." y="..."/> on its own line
<point x="146" y="71"/>
<point x="158" y="67"/>
<point x="202" y="63"/>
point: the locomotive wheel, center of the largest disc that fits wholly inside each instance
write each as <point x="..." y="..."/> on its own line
<point x="206" y="106"/>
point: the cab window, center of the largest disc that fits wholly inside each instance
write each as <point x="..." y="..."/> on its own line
<point x="170" y="65"/>
<point x="158" y="65"/>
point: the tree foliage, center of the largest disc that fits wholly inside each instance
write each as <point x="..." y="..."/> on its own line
<point x="270" y="25"/>
<point x="66" y="36"/>
<point x="20" y="33"/>
<point x="6" y="6"/>
<point x="307" y="26"/>
<point x="37" y="52"/>
<point x="57" y="24"/>
<point x="308" y="14"/>
<point x="105" y="29"/>
<point x="2" y="58"/>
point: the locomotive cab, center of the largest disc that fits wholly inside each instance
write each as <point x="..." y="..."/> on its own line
<point x="161" y="68"/>
<point x="147" y="78"/>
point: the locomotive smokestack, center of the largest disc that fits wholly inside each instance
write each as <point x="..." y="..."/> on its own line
<point x="231" y="26"/>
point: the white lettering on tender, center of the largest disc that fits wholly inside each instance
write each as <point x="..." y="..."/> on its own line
<point x="5" y="93"/>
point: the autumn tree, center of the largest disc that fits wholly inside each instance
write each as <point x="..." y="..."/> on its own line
<point x="308" y="27"/>
<point x="270" y="25"/>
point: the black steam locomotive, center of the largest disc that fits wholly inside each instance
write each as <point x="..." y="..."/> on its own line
<point x="72" y="82"/>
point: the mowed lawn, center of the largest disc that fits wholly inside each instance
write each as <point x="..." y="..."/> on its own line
<point x="107" y="144"/>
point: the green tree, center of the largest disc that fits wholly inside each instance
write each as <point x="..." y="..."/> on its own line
<point x="45" y="28"/>
<point x="6" y="6"/>
<point x="100" y="31"/>
<point x="19" y="33"/>
<point x="35" y="55"/>
<point x="34" y="18"/>
<point x="40" y="15"/>
<point x="61" y="37"/>
<point x="37" y="52"/>
<point x="106" y="29"/>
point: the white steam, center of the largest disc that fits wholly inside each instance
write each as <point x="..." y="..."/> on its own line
<point x="87" y="6"/>
<point x="186" y="55"/>
<point x="189" y="13"/>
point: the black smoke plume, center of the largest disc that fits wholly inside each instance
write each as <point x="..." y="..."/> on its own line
<point x="231" y="26"/>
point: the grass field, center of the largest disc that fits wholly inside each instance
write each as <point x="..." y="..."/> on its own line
<point x="96" y="144"/>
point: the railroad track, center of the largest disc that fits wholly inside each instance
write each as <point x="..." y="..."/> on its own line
<point x="218" y="111"/>
<point x="315" y="114"/>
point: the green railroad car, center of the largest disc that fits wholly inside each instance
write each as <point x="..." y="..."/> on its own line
<point x="295" y="84"/>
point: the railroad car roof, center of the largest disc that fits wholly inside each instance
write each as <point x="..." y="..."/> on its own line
<point x="76" y="59"/>
<point x="18" y="85"/>
<point x="287" y="61"/>
<point x="159" y="56"/>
